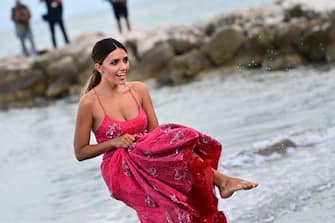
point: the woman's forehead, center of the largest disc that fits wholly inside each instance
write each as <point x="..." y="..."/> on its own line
<point x="118" y="52"/>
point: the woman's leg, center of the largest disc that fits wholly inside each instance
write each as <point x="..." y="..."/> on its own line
<point x="228" y="185"/>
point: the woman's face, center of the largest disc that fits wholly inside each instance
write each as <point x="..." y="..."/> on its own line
<point x="115" y="67"/>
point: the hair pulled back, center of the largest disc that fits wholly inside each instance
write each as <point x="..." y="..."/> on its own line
<point x="100" y="51"/>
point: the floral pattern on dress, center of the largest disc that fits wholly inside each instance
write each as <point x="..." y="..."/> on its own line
<point x="113" y="130"/>
<point x="165" y="128"/>
<point x="179" y="174"/>
<point x="126" y="168"/>
<point x="156" y="175"/>
<point x="177" y="137"/>
<point x="152" y="172"/>
<point x="184" y="217"/>
<point x="168" y="218"/>
<point x="150" y="202"/>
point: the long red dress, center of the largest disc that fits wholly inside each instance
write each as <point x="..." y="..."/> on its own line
<point x="157" y="175"/>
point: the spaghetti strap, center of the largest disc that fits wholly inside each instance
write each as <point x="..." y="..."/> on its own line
<point x="132" y="94"/>
<point x="95" y="92"/>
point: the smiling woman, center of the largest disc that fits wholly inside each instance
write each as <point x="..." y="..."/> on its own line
<point x="166" y="173"/>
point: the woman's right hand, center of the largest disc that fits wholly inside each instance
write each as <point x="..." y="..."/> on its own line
<point x="123" y="141"/>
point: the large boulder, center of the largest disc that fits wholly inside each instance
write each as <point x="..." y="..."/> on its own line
<point x="313" y="43"/>
<point x="330" y="53"/>
<point x="185" y="68"/>
<point x="224" y="44"/>
<point x="283" y="61"/>
<point x="183" y="39"/>
<point x="62" y="74"/>
<point x="22" y="87"/>
<point x="260" y="38"/>
<point x="153" y="61"/>
<point x="288" y="34"/>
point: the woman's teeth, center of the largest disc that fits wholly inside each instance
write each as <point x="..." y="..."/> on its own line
<point x="121" y="75"/>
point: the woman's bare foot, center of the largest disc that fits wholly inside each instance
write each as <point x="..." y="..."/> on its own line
<point x="228" y="185"/>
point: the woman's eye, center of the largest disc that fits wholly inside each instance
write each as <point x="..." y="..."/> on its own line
<point x="125" y="60"/>
<point x="114" y="62"/>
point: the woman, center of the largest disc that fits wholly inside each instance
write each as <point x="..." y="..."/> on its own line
<point x="167" y="172"/>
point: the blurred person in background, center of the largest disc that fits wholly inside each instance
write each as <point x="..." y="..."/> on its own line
<point x="120" y="10"/>
<point x="54" y="16"/>
<point x="21" y="17"/>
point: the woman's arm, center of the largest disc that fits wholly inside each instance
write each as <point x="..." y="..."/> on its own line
<point x="148" y="107"/>
<point x="82" y="147"/>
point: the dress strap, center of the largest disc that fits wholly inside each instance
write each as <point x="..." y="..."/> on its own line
<point x="132" y="94"/>
<point x="96" y="94"/>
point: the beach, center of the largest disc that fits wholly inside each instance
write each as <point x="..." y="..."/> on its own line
<point x="42" y="181"/>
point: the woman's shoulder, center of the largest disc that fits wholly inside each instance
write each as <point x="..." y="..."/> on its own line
<point x="138" y="86"/>
<point x="87" y="100"/>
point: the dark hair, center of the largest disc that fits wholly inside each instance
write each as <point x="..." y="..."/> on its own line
<point x="100" y="51"/>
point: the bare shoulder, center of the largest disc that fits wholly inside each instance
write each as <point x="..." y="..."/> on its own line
<point x="139" y="87"/>
<point x="87" y="101"/>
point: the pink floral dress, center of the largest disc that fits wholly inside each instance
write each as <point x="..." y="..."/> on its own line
<point x="157" y="175"/>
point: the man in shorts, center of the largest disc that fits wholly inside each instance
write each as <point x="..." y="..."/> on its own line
<point x="120" y="10"/>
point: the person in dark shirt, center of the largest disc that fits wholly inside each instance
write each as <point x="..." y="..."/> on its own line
<point x="120" y="10"/>
<point x="55" y="16"/>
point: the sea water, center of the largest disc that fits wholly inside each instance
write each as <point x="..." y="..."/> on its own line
<point x="41" y="181"/>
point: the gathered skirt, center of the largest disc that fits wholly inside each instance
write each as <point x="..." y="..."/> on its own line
<point x="160" y="178"/>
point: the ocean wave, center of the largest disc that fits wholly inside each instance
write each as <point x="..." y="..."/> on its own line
<point x="279" y="147"/>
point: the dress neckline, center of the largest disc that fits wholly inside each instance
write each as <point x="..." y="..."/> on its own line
<point x="129" y="120"/>
<point x="139" y="107"/>
<point x="108" y="117"/>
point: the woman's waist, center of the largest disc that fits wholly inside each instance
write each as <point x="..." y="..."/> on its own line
<point x="138" y="137"/>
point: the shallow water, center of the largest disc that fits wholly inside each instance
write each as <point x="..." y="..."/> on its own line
<point x="43" y="183"/>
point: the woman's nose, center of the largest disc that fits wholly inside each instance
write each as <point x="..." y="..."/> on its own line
<point x="123" y="65"/>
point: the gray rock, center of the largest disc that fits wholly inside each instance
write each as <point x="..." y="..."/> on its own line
<point x="224" y="44"/>
<point x="154" y="61"/>
<point x="330" y="53"/>
<point x="185" y="68"/>
<point x="313" y="43"/>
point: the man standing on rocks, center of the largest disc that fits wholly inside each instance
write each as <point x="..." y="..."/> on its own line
<point x="21" y="17"/>
<point x="120" y="10"/>
<point x="55" y="16"/>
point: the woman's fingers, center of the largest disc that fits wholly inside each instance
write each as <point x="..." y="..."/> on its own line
<point x="128" y="140"/>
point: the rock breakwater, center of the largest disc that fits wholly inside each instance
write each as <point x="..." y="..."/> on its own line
<point x="277" y="36"/>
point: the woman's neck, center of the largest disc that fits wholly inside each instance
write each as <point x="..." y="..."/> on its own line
<point x="107" y="89"/>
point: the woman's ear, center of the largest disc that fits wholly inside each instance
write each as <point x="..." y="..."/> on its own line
<point x="98" y="67"/>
